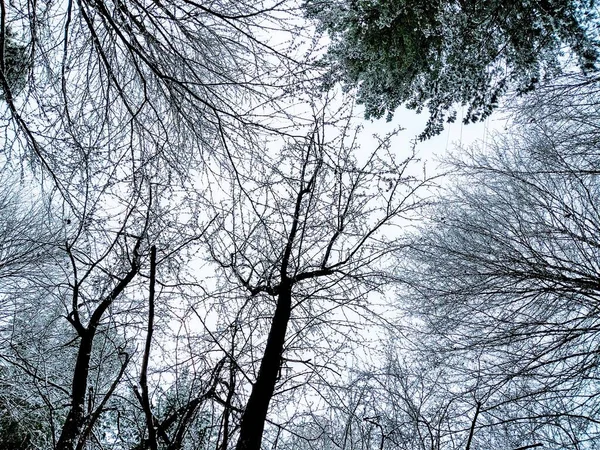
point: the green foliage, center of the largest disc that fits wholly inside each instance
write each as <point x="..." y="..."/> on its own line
<point x="18" y="423"/>
<point x="16" y="64"/>
<point x="12" y="437"/>
<point x="436" y="54"/>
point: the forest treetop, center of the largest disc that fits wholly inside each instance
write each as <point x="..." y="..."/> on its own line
<point x="212" y="257"/>
<point x="436" y="54"/>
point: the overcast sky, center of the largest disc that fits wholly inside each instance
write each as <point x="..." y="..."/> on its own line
<point x="433" y="149"/>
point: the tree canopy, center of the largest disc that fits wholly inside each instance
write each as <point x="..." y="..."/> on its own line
<point x="436" y="54"/>
<point x="198" y="250"/>
<point x="505" y="272"/>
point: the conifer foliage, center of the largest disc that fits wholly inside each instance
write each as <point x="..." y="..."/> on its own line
<point x="436" y="54"/>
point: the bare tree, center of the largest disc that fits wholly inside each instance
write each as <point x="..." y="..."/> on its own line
<point x="113" y="80"/>
<point x="28" y="230"/>
<point x="505" y="272"/>
<point x="29" y="234"/>
<point x="72" y="336"/>
<point x="303" y="236"/>
<point x="112" y="88"/>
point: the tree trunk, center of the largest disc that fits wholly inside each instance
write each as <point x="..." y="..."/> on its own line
<point x="146" y="358"/>
<point x="76" y="416"/>
<point x="71" y="429"/>
<point x="255" y="414"/>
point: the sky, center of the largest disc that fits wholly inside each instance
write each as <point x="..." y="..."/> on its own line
<point x="434" y="149"/>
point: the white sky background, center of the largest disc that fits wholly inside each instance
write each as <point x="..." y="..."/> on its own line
<point x="432" y="150"/>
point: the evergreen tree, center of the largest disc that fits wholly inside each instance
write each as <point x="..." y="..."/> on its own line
<point x="15" y="65"/>
<point x="437" y="54"/>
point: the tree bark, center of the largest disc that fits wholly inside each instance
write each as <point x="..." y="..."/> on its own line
<point x="473" y="423"/>
<point x="255" y="414"/>
<point x="75" y="421"/>
<point x="76" y="416"/>
<point x="146" y="358"/>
